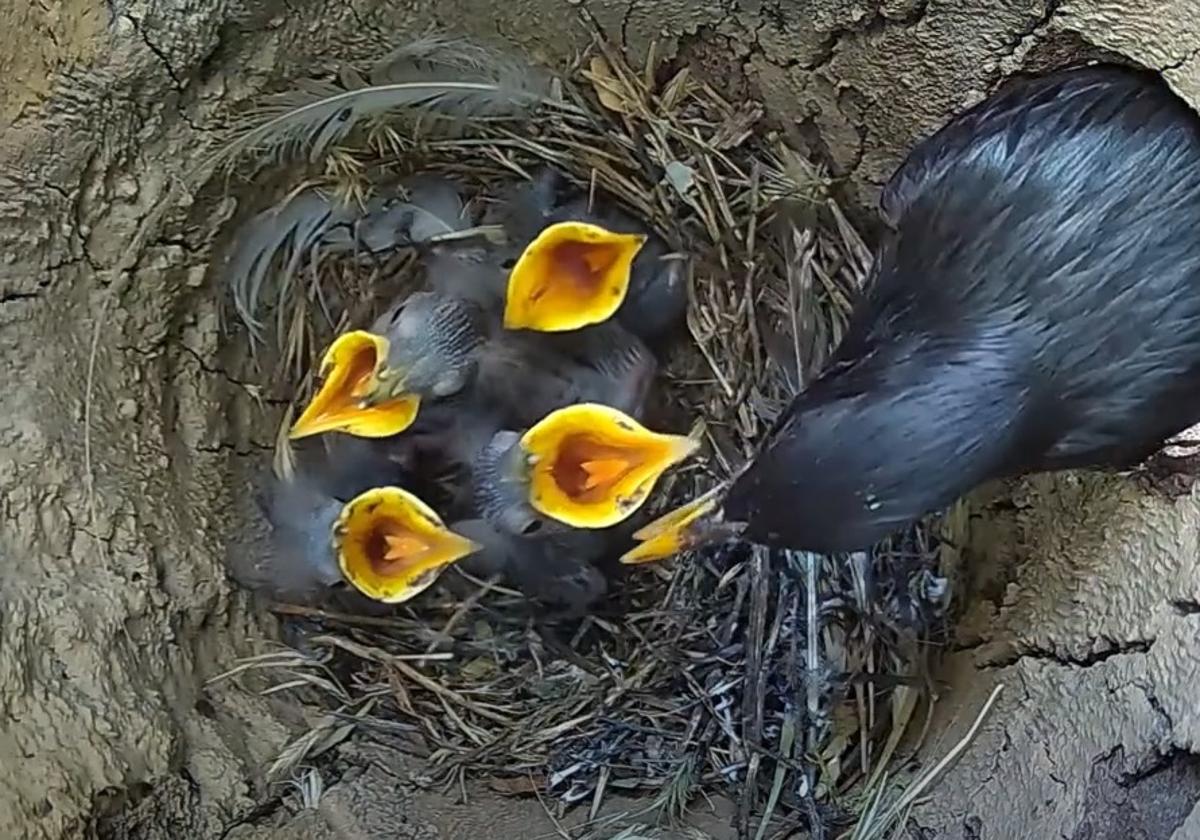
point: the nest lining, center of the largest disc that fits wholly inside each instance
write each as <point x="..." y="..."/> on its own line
<point x="783" y="679"/>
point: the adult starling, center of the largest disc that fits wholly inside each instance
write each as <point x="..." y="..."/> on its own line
<point x="1034" y="306"/>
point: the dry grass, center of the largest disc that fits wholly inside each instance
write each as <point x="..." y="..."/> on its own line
<point x="782" y="679"/>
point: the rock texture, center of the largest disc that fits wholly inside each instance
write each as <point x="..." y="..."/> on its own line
<point x="127" y="426"/>
<point x="1083" y="602"/>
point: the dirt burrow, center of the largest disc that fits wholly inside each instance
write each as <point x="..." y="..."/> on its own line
<point x="128" y="424"/>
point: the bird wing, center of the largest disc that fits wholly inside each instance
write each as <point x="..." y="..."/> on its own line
<point x="527" y="378"/>
<point x="615" y="367"/>
<point x="532" y="374"/>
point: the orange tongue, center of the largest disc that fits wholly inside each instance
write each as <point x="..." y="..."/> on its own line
<point x="603" y="471"/>
<point x="400" y="546"/>
<point x="360" y="388"/>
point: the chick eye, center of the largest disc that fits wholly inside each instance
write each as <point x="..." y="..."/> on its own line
<point x="508" y="264"/>
<point x="532" y="528"/>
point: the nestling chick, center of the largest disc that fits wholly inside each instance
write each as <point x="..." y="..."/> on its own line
<point x="553" y="564"/>
<point x="296" y="563"/>
<point x="1035" y="306"/>
<point x="392" y="546"/>
<point x="574" y="282"/>
<point x="340" y="517"/>
<point x="373" y="381"/>
<point x="387" y="543"/>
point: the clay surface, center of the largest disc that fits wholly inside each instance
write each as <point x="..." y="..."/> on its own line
<point x="128" y="425"/>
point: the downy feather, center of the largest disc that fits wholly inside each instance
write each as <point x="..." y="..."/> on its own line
<point x="290" y="227"/>
<point x="298" y="562"/>
<point x="447" y="80"/>
<point x="305" y="224"/>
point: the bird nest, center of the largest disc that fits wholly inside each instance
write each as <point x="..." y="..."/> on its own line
<point x="781" y="679"/>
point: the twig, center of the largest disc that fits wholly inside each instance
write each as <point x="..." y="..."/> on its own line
<point x="301" y="611"/>
<point x="752" y="698"/>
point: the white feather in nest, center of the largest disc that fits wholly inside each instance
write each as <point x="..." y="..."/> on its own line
<point x="443" y="81"/>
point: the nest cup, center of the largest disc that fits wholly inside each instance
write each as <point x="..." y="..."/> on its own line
<point x="782" y="680"/>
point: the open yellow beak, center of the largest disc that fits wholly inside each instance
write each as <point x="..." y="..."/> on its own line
<point x="391" y="546"/>
<point x="348" y="378"/>
<point x="674" y="532"/>
<point x="572" y="275"/>
<point x="592" y="466"/>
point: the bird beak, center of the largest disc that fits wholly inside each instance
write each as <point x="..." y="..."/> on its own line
<point x="592" y="466"/>
<point x="572" y="275"/>
<point x="349" y="382"/>
<point x="391" y="546"/>
<point x="683" y="529"/>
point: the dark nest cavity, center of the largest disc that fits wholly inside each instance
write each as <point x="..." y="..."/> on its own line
<point x="784" y="680"/>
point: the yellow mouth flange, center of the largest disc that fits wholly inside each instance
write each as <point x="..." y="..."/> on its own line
<point x="592" y="466"/>
<point x="572" y="275"/>
<point x="391" y="546"/>
<point x="349" y="379"/>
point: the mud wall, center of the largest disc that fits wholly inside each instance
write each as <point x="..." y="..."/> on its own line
<point x="126" y="425"/>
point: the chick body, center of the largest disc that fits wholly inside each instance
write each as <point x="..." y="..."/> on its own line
<point x="558" y="569"/>
<point x="656" y="301"/>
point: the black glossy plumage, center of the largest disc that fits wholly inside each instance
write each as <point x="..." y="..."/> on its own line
<point x="1035" y="306"/>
